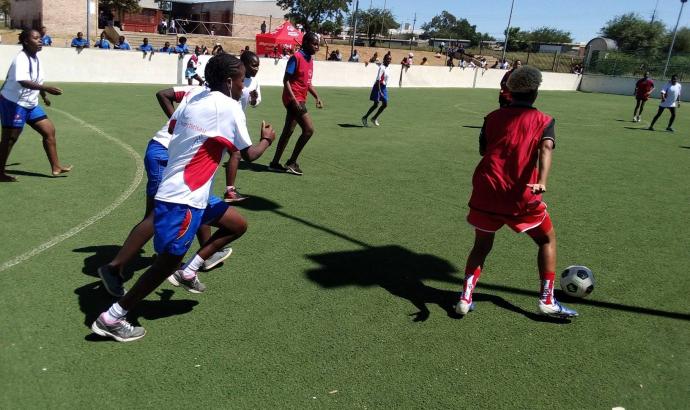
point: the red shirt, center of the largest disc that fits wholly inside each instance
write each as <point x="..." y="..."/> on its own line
<point x="644" y="87"/>
<point x="505" y="92"/>
<point x="300" y="69"/>
<point x="510" y="139"/>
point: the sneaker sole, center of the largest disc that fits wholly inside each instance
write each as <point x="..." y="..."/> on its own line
<point x="229" y="201"/>
<point x="107" y="288"/>
<point x="175" y="283"/>
<point x="214" y="264"/>
<point x="100" y="332"/>
<point x="293" y="172"/>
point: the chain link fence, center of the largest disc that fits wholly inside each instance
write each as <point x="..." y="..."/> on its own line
<point x="616" y="63"/>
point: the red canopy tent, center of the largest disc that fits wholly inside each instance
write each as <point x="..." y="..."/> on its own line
<point x="284" y="36"/>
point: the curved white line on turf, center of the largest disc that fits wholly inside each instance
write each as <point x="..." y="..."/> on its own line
<point x="122" y="198"/>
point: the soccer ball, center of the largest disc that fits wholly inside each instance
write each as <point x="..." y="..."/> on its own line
<point x="577" y="281"/>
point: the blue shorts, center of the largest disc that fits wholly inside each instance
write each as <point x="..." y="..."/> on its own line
<point x="175" y="225"/>
<point x="379" y="94"/>
<point x="155" y="161"/>
<point x="13" y="115"/>
<point x="190" y="73"/>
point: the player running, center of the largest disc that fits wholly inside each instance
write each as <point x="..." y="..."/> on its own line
<point x="296" y="84"/>
<point x="193" y="63"/>
<point x="515" y="144"/>
<point x="643" y="89"/>
<point x="670" y="99"/>
<point x="504" y="95"/>
<point x="203" y="129"/>
<point x="19" y="104"/>
<point x="379" y="92"/>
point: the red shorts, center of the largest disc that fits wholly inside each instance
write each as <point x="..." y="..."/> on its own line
<point x="536" y="219"/>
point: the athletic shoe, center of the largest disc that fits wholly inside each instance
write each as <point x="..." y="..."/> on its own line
<point x="233" y="196"/>
<point x="376" y="122"/>
<point x="121" y="330"/>
<point x="650" y="128"/>
<point x="293" y="168"/>
<point x="215" y="259"/>
<point x="635" y="119"/>
<point x="192" y="285"/>
<point x="670" y="129"/>
<point x="112" y="281"/>
<point x="276" y="167"/>
<point x="557" y="310"/>
<point x="364" y="121"/>
<point x="463" y="308"/>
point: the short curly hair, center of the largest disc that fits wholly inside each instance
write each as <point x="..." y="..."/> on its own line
<point x="524" y="80"/>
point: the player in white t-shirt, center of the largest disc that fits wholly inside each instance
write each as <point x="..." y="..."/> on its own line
<point x="379" y="92"/>
<point x="19" y="104"/>
<point x="670" y="99"/>
<point x="203" y="129"/>
<point x="251" y="96"/>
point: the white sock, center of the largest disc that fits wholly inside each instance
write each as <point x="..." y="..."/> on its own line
<point x="114" y="314"/>
<point x="192" y="266"/>
<point x="229" y="188"/>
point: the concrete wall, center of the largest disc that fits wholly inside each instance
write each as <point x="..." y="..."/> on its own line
<point x="623" y="85"/>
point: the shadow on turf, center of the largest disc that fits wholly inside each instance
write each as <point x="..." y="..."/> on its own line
<point x="33" y="174"/>
<point x="103" y="254"/>
<point x="684" y="146"/>
<point x="93" y="300"/>
<point x="351" y="126"/>
<point x="473" y="127"/>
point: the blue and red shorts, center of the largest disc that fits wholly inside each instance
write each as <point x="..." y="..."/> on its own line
<point x="536" y="220"/>
<point x="175" y="225"/>
<point x="13" y="115"/>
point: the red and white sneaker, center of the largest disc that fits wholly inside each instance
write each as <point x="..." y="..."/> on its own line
<point x="231" y="195"/>
<point x="463" y="307"/>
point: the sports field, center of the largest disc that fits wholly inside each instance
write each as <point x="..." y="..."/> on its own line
<point x="339" y="294"/>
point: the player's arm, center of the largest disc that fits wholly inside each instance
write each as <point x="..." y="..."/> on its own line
<point x="312" y="91"/>
<point x="40" y="87"/>
<point x="482" y="139"/>
<point x="255" y="96"/>
<point x="546" y="147"/>
<point x="253" y="152"/>
<point x="166" y="99"/>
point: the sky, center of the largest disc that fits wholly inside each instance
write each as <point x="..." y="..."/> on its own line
<point x="582" y="18"/>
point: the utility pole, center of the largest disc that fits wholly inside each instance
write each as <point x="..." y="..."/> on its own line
<point x="413" y="24"/>
<point x="654" y="12"/>
<point x="670" y="50"/>
<point x="510" y="17"/>
<point x="354" y="28"/>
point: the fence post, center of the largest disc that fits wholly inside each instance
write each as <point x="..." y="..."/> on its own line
<point x="613" y="70"/>
<point x="527" y="61"/>
<point x="553" y="65"/>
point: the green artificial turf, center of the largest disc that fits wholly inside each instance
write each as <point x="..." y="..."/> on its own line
<point x="338" y="294"/>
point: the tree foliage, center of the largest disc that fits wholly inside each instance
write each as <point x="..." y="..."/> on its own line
<point x="682" y="44"/>
<point x="549" y="35"/>
<point x="128" y="6"/>
<point x="374" y="22"/>
<point x="5" y="6"/>
<point x="446" y="25"/>
<point x="310" y="13"/>
<point x="633" y="33"/>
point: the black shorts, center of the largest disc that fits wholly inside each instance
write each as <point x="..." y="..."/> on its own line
<point x="297" y="109"/>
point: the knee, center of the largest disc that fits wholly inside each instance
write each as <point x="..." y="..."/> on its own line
<point x="241" y="227"/>
<point x="308" y="132"/>
<point x="384" y="105"/>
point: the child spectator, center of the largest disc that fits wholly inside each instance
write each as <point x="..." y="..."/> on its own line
<point x="122" y="44"/>
<point x="79" y="42"/>
<point x="102" y="42"/>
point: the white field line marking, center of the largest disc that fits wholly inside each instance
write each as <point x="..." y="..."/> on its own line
<point x="122" y="198"/>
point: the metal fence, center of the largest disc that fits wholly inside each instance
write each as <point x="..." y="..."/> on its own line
<point x="636" y="63"/>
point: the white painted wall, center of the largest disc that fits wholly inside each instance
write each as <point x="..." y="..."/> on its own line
<point x="623" y="86"/>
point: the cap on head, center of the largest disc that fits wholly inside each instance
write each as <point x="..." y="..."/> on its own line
<point x="524" y="80"/>
<point x="411" y="55"/>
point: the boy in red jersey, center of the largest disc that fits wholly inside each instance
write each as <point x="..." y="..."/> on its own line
<point x="516" y="143"/>
<point x="504" y="95"/>
<point x="296" y="84"/>
<point x="643" y="89"/>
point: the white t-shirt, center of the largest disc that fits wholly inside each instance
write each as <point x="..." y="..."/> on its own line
<point x="206" y="126"/>
<point x="250" y="84"/>
<point x="672" y="94"/>
<point x="383" y="75"/>
<point x="23" y="68"/>
<point x="182" y="94"/>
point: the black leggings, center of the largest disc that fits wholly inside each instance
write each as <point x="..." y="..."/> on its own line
<point x="658" y="114"/>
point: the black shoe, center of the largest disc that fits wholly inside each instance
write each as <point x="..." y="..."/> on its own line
<point x="112" y="281"/>
<point x="276" y="167"/>
<point x="293" y="168"/>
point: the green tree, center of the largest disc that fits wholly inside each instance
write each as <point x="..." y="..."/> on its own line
<point x="310" y="13"/>
<point x="119" y="6"/>
<point x="5" y="6"/>
<point x="682" y="44"/>
<point x="446" y="25"/>
<point x="333" y="27"/>
<point x="549" y="35"/>
<point x="374" y="22"/>
<point x="633" y="33"/>
<point x="517" y="40"/>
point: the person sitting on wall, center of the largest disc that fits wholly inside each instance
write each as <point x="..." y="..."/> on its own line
<point x="218" y="49"/>
<point x="354" y="58"/>
<point x="338" y="56"/>
<point x="45" y="38"/>
<point x="181" y="48"/>
<point x="102" y="42"/>
<point x="79" y="42"/>
<point x="424" y="60"/>
<point x="166" y="48"/>
<point x="146" y="47"/>
<point x="122" y="44"/>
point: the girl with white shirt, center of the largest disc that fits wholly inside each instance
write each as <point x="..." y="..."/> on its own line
<point x="379" y="92"/>
<point x="19" y="104"/>
<point x="670" y="99"/>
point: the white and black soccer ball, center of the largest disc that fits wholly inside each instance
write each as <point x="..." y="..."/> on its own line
<point x="577" y="281"/>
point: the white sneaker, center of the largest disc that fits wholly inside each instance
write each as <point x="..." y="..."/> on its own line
<point x="215" y="259"/>
<point x="555" y="309"/>
<point x="634" y="118"/>
<point x="463" y="308"/>
<point x="376" y="122"/>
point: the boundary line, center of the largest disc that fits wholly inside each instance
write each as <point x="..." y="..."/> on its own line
<point x="138" y="177"/>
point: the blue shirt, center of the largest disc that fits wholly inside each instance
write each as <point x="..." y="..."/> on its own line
<point x="46" y="40"/>
<point x="181" y="49"/>
<point x="123" y="46"/>
<point x="292" y="63"/>
<point x="166" y="50"/>
<point x="146" y="47"/>
<point x="102" y="44"/>
<point x="77" y="42"/>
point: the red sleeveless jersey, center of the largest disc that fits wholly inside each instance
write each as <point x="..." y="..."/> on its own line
<point x="512" y="136"/>
<point x="300" y="81"/>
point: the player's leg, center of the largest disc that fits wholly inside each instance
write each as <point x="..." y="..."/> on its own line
<point x="384" y="105"/>
<point x="231" y="194"/>
<point x="637" y="107"/>
<point x="199" y="79"/>
<point x="673" y="118"/>
<point x="371" y="109"/>
<point x="545" y="237"/>
<point x="483" y="243"/>
<point x="656" y="117"/>
<point x="307" y="127"/>
<point x="642" y="104"/>
<point x="288" y="129"/>
<point x="7" y="140"/>
<point x="46" y="128"/>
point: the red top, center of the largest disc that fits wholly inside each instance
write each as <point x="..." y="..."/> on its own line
<point x="510" y="139"/>
<point x="644" y="87"/>
<point x="300" y="71"/>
